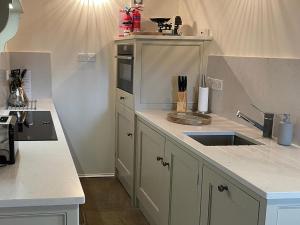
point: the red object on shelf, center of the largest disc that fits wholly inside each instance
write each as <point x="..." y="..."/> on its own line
<point x="136" y="20"/>
<point x="125" y="23"/>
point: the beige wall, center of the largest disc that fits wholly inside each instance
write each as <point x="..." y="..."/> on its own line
<point x="4" y="90"/>
<point x="83" y="92"/>
<point x="268" y="28"/>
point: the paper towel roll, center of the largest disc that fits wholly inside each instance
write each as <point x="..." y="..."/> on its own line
<point x="203" y="99"/>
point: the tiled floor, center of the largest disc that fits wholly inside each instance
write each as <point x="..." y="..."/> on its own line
<point x="107" y="203"/>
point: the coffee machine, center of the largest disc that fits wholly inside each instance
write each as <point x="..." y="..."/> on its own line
<point x="8" y="136"/>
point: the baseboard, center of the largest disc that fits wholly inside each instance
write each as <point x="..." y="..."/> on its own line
<point x="96" y="175"/>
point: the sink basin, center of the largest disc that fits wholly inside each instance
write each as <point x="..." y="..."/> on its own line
<point x="221" y="138"/>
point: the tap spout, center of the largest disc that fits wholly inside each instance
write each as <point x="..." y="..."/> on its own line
<point x="241" y="115"/>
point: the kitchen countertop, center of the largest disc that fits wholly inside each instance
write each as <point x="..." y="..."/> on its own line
<point x="164" y="37"/>
<point x="270" y="170"/>
<point x="44" y="173"/>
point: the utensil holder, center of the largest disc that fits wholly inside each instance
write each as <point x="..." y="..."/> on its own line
<point x="182" y="101"/>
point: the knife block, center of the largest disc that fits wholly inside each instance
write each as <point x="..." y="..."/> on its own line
<point x="182" y="102"/>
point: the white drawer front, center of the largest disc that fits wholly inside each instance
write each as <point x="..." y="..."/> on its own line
<point x="39" y="219"/>
<point x="125" y="98"/>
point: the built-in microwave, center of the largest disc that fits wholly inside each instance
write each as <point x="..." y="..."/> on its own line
<point x="125" y="61"/>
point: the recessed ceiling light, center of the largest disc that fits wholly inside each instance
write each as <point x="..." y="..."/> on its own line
<point x="10" y="6"/>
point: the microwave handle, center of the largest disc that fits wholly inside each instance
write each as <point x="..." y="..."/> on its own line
<point x="124" y="57"/>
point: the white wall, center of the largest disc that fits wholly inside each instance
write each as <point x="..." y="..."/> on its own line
<point x="4" y="90"/>
<point x="263" y="36"/>
<point x="268" y="28"/>
<point x="83" y="92"/>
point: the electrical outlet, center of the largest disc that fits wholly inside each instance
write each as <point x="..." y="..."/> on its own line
<point x="87" y="57"/>
<point x="215" y="84"/>
<point x="204" y="32"/>
<point x="209" y="81"/>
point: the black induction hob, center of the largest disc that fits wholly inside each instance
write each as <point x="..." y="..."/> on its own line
<point x="35" y="126"/>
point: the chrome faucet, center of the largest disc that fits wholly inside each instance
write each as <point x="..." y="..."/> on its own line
<point x="267" y="128"/>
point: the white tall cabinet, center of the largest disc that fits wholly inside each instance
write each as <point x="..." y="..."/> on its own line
<point x="158" y="60"/>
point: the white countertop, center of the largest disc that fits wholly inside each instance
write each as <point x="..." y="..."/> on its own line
<point x="44" y="173"/>
<point x="164" y="37"/>
<point x="270" y="170"/>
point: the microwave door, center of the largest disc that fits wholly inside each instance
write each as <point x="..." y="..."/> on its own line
<point x="125" y="73"/>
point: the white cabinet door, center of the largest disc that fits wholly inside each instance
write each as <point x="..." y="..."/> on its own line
<point x="185" y="186"/>
<point x="125" y="146"/>
<point x="152" y="181"/>
<point x="225" y="204"/>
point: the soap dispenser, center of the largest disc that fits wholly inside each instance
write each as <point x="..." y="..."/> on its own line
<point x="285" y="131"/>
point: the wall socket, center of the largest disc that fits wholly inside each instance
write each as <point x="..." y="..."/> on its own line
<point x="87" y="57"/>
<point x="215" y="84"/>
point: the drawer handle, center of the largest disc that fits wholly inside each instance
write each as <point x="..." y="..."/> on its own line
<point x="158" y="158"/>
<point x="166" y="164"/>
<point x="129" y="134"/>
<point x="222" y="188"/>
<point x="122" y="98"/>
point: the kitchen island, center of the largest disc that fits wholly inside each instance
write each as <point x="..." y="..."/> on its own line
<point x="42" y="187"/>
<point x="236" y="185"/>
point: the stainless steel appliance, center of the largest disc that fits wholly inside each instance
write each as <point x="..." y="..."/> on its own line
<point x="125" y="62"/>
<point x="8" y="140"/>
<point x="17" y="97"/>
<point x="34" y="126"/>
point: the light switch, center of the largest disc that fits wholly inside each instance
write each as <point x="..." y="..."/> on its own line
<point x="87" y="57"/>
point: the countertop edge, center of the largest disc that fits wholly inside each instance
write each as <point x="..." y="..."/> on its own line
<point x="258" y="191"/>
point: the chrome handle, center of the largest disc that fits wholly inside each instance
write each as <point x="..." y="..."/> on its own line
<point x="222" y="188"/>
<point x="124" y="57"/>
<point x="158" y="158"/>
<point x="166" y="164"/>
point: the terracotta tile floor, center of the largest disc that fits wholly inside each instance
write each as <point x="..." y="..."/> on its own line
<point x="107" y="203"/>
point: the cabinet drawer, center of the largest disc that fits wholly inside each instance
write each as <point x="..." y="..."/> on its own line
<point x="125" y="98"/>
<point x="45" y="219"/>
<point x="225" y="204"/>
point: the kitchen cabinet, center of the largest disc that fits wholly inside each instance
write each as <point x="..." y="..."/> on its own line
<point x="185" y="186"/>
<point x="125" y="146"/>
<point x="193" y="189"/>
<point x="156" y="64"/>
<point x="153" y="175"/>
<point x="51" y="215"/>
<point x="157" y="61"/>
<point x="225" y="204"/>
<point x="169" y="180"/>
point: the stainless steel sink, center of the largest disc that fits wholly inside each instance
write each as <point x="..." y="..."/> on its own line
<point x="221" y="138"/>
